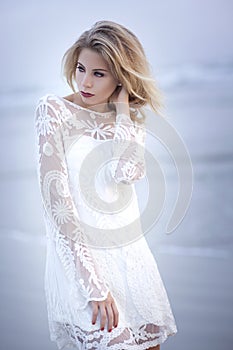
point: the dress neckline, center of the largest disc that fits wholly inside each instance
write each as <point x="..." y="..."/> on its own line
<point x="102" y="114"/>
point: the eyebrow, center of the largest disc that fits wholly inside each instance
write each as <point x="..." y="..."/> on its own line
<point x="105" y="70"/>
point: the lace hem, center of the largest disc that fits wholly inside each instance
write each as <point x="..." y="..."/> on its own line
<point x="140" y="338"/>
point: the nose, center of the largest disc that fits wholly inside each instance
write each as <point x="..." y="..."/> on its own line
<point x="87" y="81"/>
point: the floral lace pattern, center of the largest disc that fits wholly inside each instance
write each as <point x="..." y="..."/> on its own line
<point x="143" y="337"/>
<point x="75" y="273"/>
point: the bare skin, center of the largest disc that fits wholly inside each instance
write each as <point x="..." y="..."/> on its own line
<point x="109" y="314"/>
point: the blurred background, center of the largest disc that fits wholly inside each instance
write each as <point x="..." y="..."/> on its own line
<point x="190" y="48"/>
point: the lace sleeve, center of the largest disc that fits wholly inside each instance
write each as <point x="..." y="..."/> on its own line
<point x="59" y="207"/>
<point x="128" y="165"/>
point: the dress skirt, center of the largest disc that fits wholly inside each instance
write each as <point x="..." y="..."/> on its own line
<point x="131" y="272"/>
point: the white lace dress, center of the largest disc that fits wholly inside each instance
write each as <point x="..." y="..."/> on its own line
<point x="87" y="172"/>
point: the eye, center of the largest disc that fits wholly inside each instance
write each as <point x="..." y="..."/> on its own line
<point x="80" y="68"/>
<point x="98" y="74"/>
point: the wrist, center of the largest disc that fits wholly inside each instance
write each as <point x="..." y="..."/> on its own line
<point x="122" y="108"/>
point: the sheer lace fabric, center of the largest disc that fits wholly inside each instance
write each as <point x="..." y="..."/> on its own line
<point x="77" y="273"/>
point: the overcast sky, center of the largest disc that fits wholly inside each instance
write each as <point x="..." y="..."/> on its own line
<point x="35" y="34"/>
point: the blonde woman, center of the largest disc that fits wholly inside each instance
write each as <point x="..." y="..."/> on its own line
<point x="102" y="284"/>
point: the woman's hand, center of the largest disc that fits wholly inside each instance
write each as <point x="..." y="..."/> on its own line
<point x="120" y="98"/>
<point x="108" y="312"/>
<point x="120" y="95"/>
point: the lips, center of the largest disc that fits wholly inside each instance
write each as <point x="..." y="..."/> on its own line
<point x="86" y="94"/>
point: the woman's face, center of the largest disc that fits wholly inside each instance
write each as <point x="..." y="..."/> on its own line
<point x="94" y="79"/>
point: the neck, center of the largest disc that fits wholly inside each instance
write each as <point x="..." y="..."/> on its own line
<point x="101" y="108"/>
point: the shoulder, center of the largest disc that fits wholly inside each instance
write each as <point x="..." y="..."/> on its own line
<point x="52" y="105"/>
<point x="70" y="98"/>
<point x="48" y="99"/>
<point x="65" y="105"/>
<point x="49" y="114"/>
<point x="46" y="107"/>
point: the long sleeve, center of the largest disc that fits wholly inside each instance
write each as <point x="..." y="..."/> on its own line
<point x="59" y="208"/>
<point x="128" y="148"/>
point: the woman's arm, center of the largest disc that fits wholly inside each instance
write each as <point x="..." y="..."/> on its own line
<point x="128" y="165"/>
<point x="60" y="211"/>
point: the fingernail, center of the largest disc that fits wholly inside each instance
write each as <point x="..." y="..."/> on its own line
<point x="93" y="322"/>
<point x="115" y="325"/>
<point x="109" y="330"/>
<point x="102" y="328"/>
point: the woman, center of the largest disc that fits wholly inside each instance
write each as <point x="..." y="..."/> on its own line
<point x="102" y="285"/>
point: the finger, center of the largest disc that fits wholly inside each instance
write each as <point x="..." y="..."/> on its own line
<point x="115" y="314"/>
<point x="103" y="316"/>
<point x="94" y="312"/>
<point x="110" y="316"/>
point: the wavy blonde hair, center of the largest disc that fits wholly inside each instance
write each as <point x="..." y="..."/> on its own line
<point x="125" y="57"/>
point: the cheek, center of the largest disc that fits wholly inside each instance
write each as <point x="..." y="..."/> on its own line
<point x="111" y="86"/>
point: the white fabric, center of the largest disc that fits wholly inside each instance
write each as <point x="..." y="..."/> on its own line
<point x="76" y="271"/>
